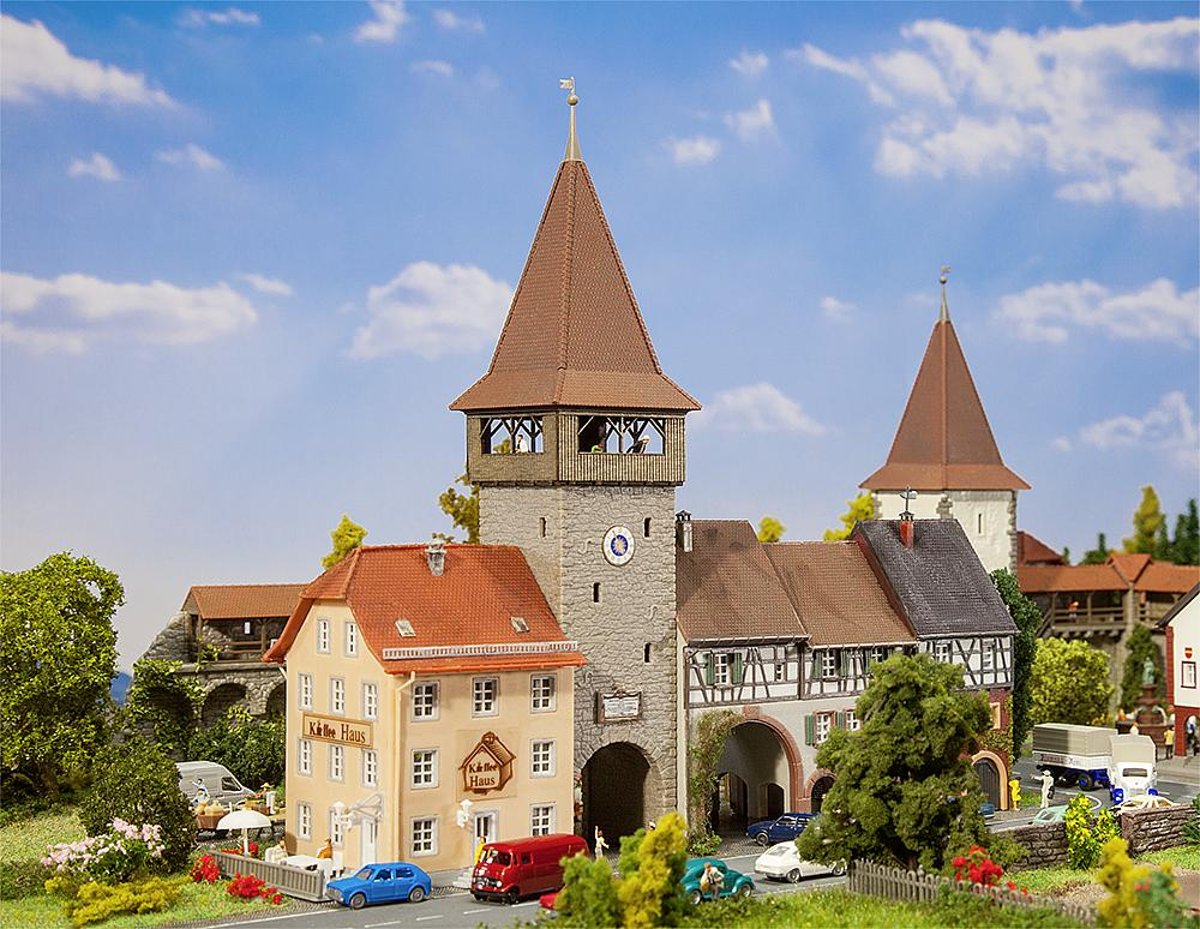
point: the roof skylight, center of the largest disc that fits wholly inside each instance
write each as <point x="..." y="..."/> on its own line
<point x="405" y="628"/>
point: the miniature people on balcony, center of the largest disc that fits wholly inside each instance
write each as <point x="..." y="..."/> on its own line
<point x="1047" y="788"/>
<point x="601" y="846"/>
<point x="326" y="850"/>
<point x="1073" y="608"/>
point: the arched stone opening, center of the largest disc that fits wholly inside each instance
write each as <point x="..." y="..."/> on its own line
<point x="621" y="790"/>
<point x="277" y="702"/>
<point x="993" y="777"/>
<point x="822" y="781"/>
<point x="755" y="762"/>
<point x="219" y="700"/>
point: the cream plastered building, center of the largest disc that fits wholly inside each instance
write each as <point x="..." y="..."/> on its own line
<point x="419" y="677"/>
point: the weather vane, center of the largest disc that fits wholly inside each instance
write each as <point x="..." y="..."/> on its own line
<point x="908" y="495"/>
<point x="944" y="311"/>
<point x="572" y="153"/>
<point x="568" y="84"/>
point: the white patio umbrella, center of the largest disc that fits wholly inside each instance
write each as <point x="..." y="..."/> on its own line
<point x="244" y="819"/>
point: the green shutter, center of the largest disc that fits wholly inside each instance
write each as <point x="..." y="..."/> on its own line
<point x="843" y="663"/>
<point x="708" y="668"/>
<point x="840" y="720"/>
<point x="810" y="729"/>
<point x="739" y="667"/>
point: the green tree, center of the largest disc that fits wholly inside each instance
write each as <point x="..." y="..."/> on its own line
<point x="58" y="655"/>
<point x="770" y="529"/>
<point x="589" y="895"/>
<point x="1029" y="620"/>
<point x="904" y="791"/>
<point x="1141" y="645"/>
<point x="861" y="508"/>
<point x="1066" y="555"/>
<point x="137" y="782"/>
<point x="462" y="508"/>
<point x="1099" y="554"/>
<point x="254" y="750"/>
<point x="1070" y="683"/>
<point x="1147" y="520"/>
<point x="1185" y="547"/>
<point x="346" y="538"/>
<point x="164" y="705"/>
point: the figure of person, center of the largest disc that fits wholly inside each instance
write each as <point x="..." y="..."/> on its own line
<point x="601" y="846"/>
<point x="1169" y="741"/>
<point x="1047" y="788"/>
<point x="1147" y="672"/>
<point x="326" y="850"/>
<point x="711" y="880"/>
<point x="1014" y="793"/>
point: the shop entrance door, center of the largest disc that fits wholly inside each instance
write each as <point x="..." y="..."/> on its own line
<point x="370" y="836"/>
<point x="485" y="828"/>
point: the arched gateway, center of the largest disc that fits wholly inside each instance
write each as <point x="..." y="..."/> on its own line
<point x="621" y="790"/>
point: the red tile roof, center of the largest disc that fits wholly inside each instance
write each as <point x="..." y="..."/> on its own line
<point x="1161" y="577"/>
<point x="242" y="601"/>
<point x="1129" y="566"/>
<point x="1032" y="550"/>
<point x="1120" y="572"/>
<point x="472" y="603"/>
<point x="574" y="336"/>
<point x="944" y="441"/>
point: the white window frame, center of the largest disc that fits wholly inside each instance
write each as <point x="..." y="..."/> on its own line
<point x="337" y="696"/>
<point x="780" y="670"/>
<point x="494" y="708"/>
<point x="942" y="651"/>
<point x="304" y="757"/>
<point x="351" y="642"/>
<point x="829" y="665"/>
<point x="423" y="773"/>
<point x="722" y="669"/>
<point x="853" y="723"/>
<point x="543" y="693"/>
<point x="323" y="646"/>
<point x="987" y="654"/>
<point x="337" y="828"/>
<point x="823" y="726"/>
<point x="420" y="690"/>
<point x="304" y="691"/>
<point x="430" y="824"/>
<point x="370" y="700"/>
<point x="370" y="767"/>
<point x="543" y="761"/>
<point x="542" y="818"/>
<point x="337" y="762"/>
<point x="303" y="821"/>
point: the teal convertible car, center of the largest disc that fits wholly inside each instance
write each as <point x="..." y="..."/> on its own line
<point x="732" y="883"/>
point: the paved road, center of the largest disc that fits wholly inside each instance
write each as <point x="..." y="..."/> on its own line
<point x="461" y="911"/>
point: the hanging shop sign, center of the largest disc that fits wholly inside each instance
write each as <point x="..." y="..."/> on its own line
<point x="488" y="766"/>
<point x="618" y="707"/>
<point x="337" y="730"/>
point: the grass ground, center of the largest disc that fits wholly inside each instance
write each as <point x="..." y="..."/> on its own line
<point x="25" y="903"/>
<point x="1057" y="882"/>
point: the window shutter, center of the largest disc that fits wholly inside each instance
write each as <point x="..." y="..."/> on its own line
<point x="840" y="720"/>
<point x="810" y="729"/>
<point x="739" y="667"/>
<point x="843" y="663"/>
<point x="708" y="668"/>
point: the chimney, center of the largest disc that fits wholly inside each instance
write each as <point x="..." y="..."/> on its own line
<point x="683" y="530"/>
<point x="435" y="555"/>
<point x="907" y="530"/>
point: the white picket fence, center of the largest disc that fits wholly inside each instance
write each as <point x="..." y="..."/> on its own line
<point x="876" y="880"/>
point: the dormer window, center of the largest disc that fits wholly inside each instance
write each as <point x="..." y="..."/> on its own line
<point x="405" y="628"/>
<point x="519" y="624"/>
<point x="511" y="435"/>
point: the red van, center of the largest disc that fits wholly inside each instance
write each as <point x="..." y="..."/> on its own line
<point x="520" y="868"/>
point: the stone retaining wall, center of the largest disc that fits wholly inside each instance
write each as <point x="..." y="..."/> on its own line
<point x="1045" y="844"/>
<point x="1151" y="830"/>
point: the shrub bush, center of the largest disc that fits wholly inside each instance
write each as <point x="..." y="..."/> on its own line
<point x="115" y="857"/>
<point x="138" y="783"/>
<point x="1140" y="895"/>
<point x="1191" y="828"/>
<point x="1087" y="834"/>
<point x="96" y="902"/>
<point x="254" y="750"/>
<point x="20" y="879"/>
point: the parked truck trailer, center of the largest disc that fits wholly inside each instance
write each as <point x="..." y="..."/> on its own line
<point x="1093" y="756"/>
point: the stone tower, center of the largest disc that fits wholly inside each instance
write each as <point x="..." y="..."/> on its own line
<point x="575" y="437"/>
<point x="945" y="451"/>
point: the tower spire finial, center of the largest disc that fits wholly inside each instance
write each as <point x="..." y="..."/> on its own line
<point x="944" y="312"/>
<point x="572" y="153"/>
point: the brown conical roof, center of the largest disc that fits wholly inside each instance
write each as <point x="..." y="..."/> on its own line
<point x="574" y="336"/>
<point x="944" y="441"/>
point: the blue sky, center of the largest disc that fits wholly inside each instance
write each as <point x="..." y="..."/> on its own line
<point x="251" y="252"/>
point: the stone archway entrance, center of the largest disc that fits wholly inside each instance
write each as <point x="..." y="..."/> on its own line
<point x="819" y="790"/>
<point x="755" y="763"/>
<point x="989" y="780"/>
<point x="615" y="783"/>
<point x="219" y="700"/>
<point x="277" y="702"/>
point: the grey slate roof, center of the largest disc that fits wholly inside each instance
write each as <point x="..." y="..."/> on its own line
<point x="940" y="585"/>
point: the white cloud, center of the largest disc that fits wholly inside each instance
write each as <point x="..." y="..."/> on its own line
<point x="73" y="311"/>
<point x="98" y="166"/>
<point x="442" y="68"/>
<point x="268" y="285"/>
<point x="698" y="150"/>
<point x="36" y="63"/>
<point x="191" y="155"/>
<point x="752" y="124"/>
<point x="1061" y="444"/>
<point x="449" y="20"/>
<point x="972" y="102"/>
<point x="1170" y="428"/>
<point x="230" y="17"/>
<point x="390" y="17"/>
<point x="433" y="310"/>
<point x="836" y="309"/>
<point x="756" y="408"/>
<point x="750" y="64"/>
<point x="1158" y="312"/>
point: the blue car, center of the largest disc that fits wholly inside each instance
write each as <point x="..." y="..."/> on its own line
<point x="781" y="829"/>
<point x="389" y="882"/>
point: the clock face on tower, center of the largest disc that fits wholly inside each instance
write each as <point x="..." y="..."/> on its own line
<point x="618" y="545"/>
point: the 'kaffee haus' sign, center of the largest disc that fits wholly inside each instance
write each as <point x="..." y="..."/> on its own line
<point x="337" y="730"/>
<point x="488" y="767"/>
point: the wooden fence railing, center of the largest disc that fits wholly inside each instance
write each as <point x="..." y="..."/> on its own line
<point x="295" y="882"/>
<point x="877" y="880"/>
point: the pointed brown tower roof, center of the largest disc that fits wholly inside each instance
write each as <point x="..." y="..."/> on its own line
<point x="944" y="441"/>
<point x="574" y="336"/>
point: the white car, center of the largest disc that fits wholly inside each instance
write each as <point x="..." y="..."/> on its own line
<point x="1143" y="802"/>
<point x="781" y="863"/>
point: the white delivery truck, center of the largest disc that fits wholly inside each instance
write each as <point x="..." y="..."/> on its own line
<point x="1093" y="756"/>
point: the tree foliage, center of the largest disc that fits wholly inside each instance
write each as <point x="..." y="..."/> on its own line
<point x="1148" y="520"/>
<point x="1185" y="547"/>
<point x="706" y="747"/>
<point x="346" y="538"/>
<point x="164" y="705"/>
<point x="254" y="750"/>
<point x="770" y="529"/>
<point x="58" y="654"/>
<point x="1100" y="553"/>
<point x="138" y="783"/>
<point x="905" y="792"/>
<point x="861" y="508"/>
<point x="1141" y="645"/>
<point x="1070" y="683"/>
<point x="1029" y="620"/>
<point x="462" y="508"/>
<point x="589" y="895"/>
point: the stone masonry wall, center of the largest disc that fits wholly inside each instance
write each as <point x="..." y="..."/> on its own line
<point x="1151" y="830"/>
<point x="1045" y="844"/>
<point x="636" y="606"/>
